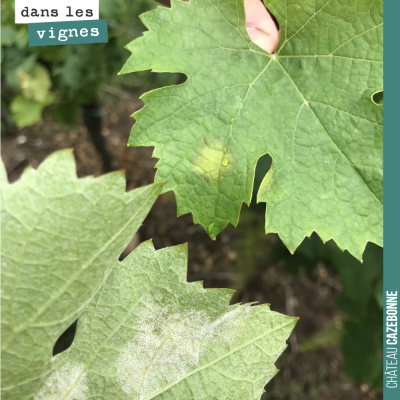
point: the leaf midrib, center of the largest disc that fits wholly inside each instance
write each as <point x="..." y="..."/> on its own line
<point x="167" y="387"/>
<point x="231" y="129"/>
<point x="322" y="126"/>
<point x="74" y="276"/>
<point x="305" y="102"/>
<point x="97" y="351"/>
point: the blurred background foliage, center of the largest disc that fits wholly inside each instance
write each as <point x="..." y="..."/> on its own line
<point x="68" y="76"/>
<point x="69" y="88"/>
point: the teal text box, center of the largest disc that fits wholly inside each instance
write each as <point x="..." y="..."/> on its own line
<point x="391" y="222"/>
<point x="68" y="32"/>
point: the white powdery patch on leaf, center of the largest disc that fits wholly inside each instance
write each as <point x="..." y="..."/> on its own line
<point x="169" y="343"/>
<point x="166" y="347"/>
<point x="68" y="378"/>
<point x="172" y="339"/>
<point x="224" y="330"/>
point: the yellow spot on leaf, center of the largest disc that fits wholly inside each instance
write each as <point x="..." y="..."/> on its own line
<point x="208" y="160"/>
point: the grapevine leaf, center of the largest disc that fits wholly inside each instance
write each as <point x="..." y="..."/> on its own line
<point x="148" y="334"/>
<point x="3" y="174"/>
<point x="309" y="106"/>
<point x="61" y="237"/>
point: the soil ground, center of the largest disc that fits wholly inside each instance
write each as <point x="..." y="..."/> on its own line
<point x="237" y="259"/>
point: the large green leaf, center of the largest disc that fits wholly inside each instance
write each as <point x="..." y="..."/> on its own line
<point x="309" y="106"/>
<point x="61" y="237"/>
<point x="149" y="334"/>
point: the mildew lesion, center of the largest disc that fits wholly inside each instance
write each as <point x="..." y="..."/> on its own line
<point x="67" y="383"/>
<point x="166" y="347"/>
<point x="172" y="342"/>
<point x="212" y="160"/>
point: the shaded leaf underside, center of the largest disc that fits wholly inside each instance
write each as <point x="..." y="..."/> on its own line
<point x="149" y="334"/>
<point x="61" y="237"/>
<point x="309" y="106"/>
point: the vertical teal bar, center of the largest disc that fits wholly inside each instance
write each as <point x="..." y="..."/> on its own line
<point x="391" y="274"/>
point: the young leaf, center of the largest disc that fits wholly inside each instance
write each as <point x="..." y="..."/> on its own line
<point x="309" y="106"/>
<point x="148" y="334"/>
<point x="28" y="111"/>
<point x="61" y="237"/>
